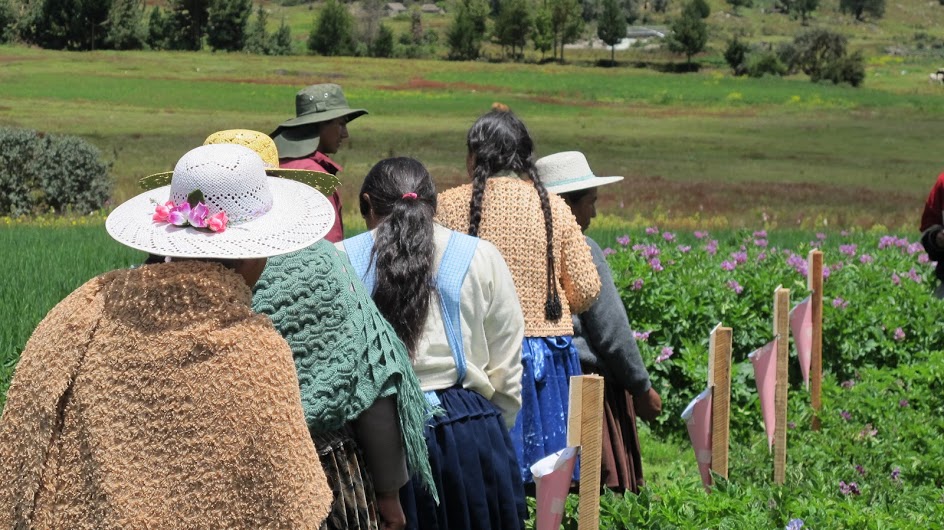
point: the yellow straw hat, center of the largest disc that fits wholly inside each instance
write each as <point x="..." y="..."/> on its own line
<point x="265" y="148"/>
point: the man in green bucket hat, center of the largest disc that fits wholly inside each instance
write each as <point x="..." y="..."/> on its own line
<point x="316" y="131"/>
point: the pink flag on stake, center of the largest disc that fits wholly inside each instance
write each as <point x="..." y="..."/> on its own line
<point x="801" y="325"/>
<point x="764" y="360"/>
<point x="552" y="476"/>
<point x="697" y="416"/>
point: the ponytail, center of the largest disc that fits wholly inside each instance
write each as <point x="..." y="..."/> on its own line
<point x="402" y="194"/>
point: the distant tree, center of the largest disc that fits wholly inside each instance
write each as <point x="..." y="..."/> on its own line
<point x="466" y="33"/>
<point x="847" y="69"/>
<point x="800" y="9"/>
<point x="817" y="49"/>
<point x="660" y="6"/>
<point x="542" y="32"/>
<point x="735" y="4"/>
<point x="333" y="33"/>
<point x="860" y="8"/>
<point x="567" y="22"/>
<point x="280" y="42"/>
<point x="226" y="24"/>
<point x="125" y="28"/>
<point x="689" y="32"/>
<point x="188" y="23"/>
<point x="611" y="27"/>
<point x="7" y="19"/>
<point x="368" y="20"/>
<point x="513" y="25"/>
<point x="416" y="26"/>
<point x="701" y="7"/>
<point x="382" y="46"/>
<point x="736" y="56"/>
<point x="64" y="24"/>
<point x="257" y="36"/>
<point x="159" y="30"/>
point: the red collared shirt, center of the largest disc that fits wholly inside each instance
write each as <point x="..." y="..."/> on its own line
<point x="319" y="161"/>
<point x="934" y="207"/>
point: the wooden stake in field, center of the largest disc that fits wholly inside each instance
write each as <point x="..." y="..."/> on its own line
<point x="782" y="330"/>
<point x="815" y="284"/>
<point x="719" y="379"/>
<point x="585" y="428"/>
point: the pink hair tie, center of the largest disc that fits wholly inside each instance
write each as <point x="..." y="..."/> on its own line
<point x="410" y="195"/>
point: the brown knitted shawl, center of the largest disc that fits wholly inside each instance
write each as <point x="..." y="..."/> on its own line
<point x="512" y="220"/>
<point x="155" y="398"/>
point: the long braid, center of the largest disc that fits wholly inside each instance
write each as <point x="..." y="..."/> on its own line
<point x="552" y="305"/>
<point x="479" y="176"/>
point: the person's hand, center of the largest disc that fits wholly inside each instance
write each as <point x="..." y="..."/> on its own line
<point x="391" y="513"/>
<point x="649" y="405"/>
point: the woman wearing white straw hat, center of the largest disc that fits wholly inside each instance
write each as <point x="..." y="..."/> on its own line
<point x="602" y="334"/>
<point x="155" y="397"/>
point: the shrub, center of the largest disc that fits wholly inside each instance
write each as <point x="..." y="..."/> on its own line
<point x="333" y="34"/>
<point x="383" y="43"/>
<point x="735" y="55"/>
<point x="847" y="69"/>
<point x="39" y="173"/>
<point x="125" y="28"/>
<point x="765" y="63"/>
<point x="226" y="24"/>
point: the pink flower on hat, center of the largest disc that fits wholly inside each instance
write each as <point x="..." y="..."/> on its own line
<point x="162" y="211"/>
<point x="180" y="215"/>
<point x="198" y="215"/>
<point x="217" y="222"/>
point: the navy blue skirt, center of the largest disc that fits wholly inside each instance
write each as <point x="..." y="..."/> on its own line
<point x="474" y="468"/>
<point x="541" y="426"/>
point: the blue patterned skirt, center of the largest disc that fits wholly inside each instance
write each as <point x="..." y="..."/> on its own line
<point x="541" y="427"/>
<point x="474" y="469"/>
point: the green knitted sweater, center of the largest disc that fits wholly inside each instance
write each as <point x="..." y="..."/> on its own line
<point x="346" y="354"/>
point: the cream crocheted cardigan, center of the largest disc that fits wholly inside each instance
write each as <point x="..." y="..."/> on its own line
<point x="155" y="398"/>
<point x="512" y="220"/>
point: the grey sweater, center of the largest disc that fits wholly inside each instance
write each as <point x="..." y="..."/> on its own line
<point x="603" y="337"/>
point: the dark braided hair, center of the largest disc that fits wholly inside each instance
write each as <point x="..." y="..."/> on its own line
<point x="403" y="250"/>
<point x="497" y="142"/>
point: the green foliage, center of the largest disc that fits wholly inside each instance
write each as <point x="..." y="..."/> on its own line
<point x="467" y="31"/>
<point x="125" y="25"/>
<point x="64" y="24"/>
<point x="689" y="31"/>
<point x="46" y="172"/>
<point x="799" y="8"/>
<point x="736" y="55"/>
<point x="874" y="286"/>
<point x="701" y="7"/>
<point x="159" y="30"/>
<point x="660" y="6"/>
<point x="333" y="33"/>
<point x="566" y="22"/>
<point x="513" y="25"/>
<point x="281" y="41"/>
<point x="226" y="24"/>
<point x="383" y="43"/>
<point x="257" y="36"/>
<point x="7" y="19"/>
<point x="735" y="4"/>
<point x="611" y="28"/>
<point x="188" y="23"/>
<point x="542" y="31"/>
<point x="860" y="8"/>
<point x="765" y="63"/>
<point x="821" y="54"/>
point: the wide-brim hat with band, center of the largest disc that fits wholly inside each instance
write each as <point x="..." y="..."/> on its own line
<point x="222" y="204"/>
<point x="313" y="105"/>
<point x="569" y="171"/>
<point x="326" y="183"/>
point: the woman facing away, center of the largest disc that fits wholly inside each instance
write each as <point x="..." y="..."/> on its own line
<point x="154" y="397"/>
<point x="507" y="205"/>
<point x="602" y="334"/>
<point x="451" y="300"/>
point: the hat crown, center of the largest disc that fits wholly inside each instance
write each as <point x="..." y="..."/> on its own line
<point x="231" y="177"/>
<point x="255" y="140"/>
<point x="566" y="167"/>
<point x="319" y="98"/>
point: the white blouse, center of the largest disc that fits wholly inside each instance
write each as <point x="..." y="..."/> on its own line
<point x="492" y="332"/>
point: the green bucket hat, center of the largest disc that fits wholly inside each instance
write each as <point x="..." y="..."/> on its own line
<point x="313" y="105"/>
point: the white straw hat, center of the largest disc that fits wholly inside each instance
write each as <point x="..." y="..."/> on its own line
<point x="569" y="171"/>
<point x="260" y="216"/>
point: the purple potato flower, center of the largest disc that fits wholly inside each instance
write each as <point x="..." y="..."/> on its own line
<point x="735" y="286"/>
<point x="667" y="352"/>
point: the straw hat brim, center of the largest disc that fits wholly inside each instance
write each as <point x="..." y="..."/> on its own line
<point x="582" y="184"/>
<point x="326" y="183"/>
<point x="299" y="217"/>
